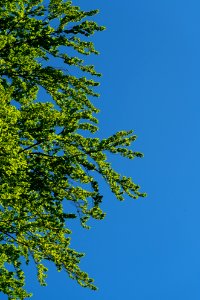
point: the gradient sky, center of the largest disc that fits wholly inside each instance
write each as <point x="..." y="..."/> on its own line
<point x="147" y="249"/>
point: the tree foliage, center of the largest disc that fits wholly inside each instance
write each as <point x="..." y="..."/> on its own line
<point x="49" y="155"/>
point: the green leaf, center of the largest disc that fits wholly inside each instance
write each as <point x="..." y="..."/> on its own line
<point x="49" y="154"/>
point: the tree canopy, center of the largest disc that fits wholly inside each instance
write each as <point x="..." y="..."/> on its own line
<point x="49" y="154"/>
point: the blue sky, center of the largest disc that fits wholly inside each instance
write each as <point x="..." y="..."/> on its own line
<point x="149" y="248"/>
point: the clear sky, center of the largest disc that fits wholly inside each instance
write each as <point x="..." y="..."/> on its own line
<point x="147" y="249"/>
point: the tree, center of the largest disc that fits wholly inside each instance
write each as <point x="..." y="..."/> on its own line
<point x="49" y="155"/>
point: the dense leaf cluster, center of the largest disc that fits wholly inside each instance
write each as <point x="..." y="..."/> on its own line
<point x="45" y="159"/>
